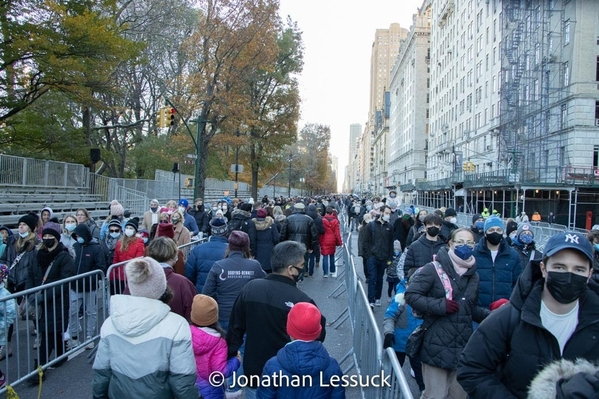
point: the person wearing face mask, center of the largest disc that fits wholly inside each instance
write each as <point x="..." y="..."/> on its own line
<point x="425" y="248"/>
<point x="68" y="226"/>
<point x="449" y="222"/>
<point x="511" y="228"/>
<point x="259" y="313"/>
<point x="552" y="314"/>
<point x="478" y="224"/>
<point x="128" y="247"/>
<point x="498" y="263"/>
<point x="445" y="292"/>
<point x="109" y="242"/>
<point x="21" y="256"/>
<point x="188" y="221"/>
<point x="89" y="256"/>
<point x="181" y="236"/>
<point x="151" y="217"/>
<point x="53" y="264"/>
<point x="418" y="228"/>
<point x="201" y="216"/>
<point x="524" y="244"/>
<point x="378" y="251"/>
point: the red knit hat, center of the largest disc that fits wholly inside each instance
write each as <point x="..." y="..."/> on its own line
<point x="165" y="230"/>
<point x="262" y="213"/>
<point x="303" y="322"/>
<point x="498" y="303"/>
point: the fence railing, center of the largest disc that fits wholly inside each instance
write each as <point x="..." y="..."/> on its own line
<point x="19" y="171"/>
<point x="42" y="326"/>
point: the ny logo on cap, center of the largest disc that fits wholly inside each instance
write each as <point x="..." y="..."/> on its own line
<point x="572" y="238"/>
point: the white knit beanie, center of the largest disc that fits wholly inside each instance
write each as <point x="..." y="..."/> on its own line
<point x="146" y="278"/>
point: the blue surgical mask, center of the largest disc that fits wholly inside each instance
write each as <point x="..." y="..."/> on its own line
<point x="80" y="240"/>
<point x="463" y="251"/>
<point x="479" y="225"/>
<point x="70" y="226"/>
<point x="526" y="239"/>
<point x="368" y="208"/>
<point x="115" y="235"/>
<point x="24" y="235"/>
<point x="596" y="247"/>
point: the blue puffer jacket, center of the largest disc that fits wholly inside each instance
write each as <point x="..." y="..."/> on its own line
<point x="202" y="258"/>
<point x="307" y="359"/>
<point x="497" y="279"/>
<point x="400" y="320"/>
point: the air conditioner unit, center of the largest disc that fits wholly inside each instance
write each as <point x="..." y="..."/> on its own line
<point x="489" y="148"/>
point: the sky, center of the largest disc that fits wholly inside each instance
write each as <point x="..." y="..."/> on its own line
<point x="338" y="36"/>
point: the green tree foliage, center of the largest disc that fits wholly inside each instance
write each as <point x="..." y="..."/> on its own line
<point x="313" y="163"/>
<point x="274" y="104"/>
<point x="63" y="46"/>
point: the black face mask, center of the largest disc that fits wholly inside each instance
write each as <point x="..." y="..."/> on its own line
<point x="494" y="238"/>
<point x="566" y="287"/>
<point x="432" y="231"/>
<point x="200" y="208"/>
<point x="49" y="242"/>
<point x="296" y="278"/>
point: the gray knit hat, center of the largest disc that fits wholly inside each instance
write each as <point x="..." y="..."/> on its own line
<point x="145" y="278"/>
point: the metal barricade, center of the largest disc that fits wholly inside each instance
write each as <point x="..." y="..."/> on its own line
<point x="397" y="380"/>
<point x="44" y="316"/>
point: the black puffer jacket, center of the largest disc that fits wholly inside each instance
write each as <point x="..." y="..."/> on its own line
<point x="89" y="256"/>
<point x="378" y="241"/>
<point x="513" y="340"/>
<point x="421" y="252"/>
<point x="300" y="228"/>
<point x="313" y="213"/>
<point x="242" y="220"/>
<point x="447" y="334"/>
<point x="54" y="301"/>
<point x="267" y="236"/>
<point x="18" y="275"/>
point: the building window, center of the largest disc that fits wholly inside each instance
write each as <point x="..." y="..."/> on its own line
<point x="566" y="32"/>
<point x="564" y="116"/>
<point x="596" y="157"/>
<point x="566" y="74"/>
<point x="597" y="70"/>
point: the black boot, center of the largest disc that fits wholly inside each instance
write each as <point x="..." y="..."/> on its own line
<point x="35" y="379"/>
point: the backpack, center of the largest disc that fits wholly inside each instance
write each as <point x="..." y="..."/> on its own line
<point x="357" y="209"/>
<point x="238" y="224"/>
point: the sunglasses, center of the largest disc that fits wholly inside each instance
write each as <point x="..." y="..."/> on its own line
<point x="114" y="231"/>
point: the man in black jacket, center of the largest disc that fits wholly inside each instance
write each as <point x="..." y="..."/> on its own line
<point x="261" y="308"/>
<point x="241" y="219"/>
<point x="378" y="250"/>
<point x="553" y="313"/>
<point x="201" y="216"/>
<point x="424" y="250"/>
<point x="300" y="228"/>
<point x="89" y="256"/>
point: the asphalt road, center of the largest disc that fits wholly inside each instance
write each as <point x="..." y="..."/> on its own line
<point x="73" y="379"/>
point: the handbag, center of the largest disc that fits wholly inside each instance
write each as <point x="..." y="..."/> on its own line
<point x="11" y="275"/>
<point x="415" y="341"/>
<point x="33" y="308"/>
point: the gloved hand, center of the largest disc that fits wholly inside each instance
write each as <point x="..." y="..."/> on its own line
<point x="451" y="306"/>
<point x="389" y="340"/>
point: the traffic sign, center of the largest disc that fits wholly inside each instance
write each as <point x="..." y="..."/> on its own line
<point x="239" y="168"/>
<point x="192" y="156"/>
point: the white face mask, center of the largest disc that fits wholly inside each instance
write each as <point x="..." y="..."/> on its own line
<point x="386" y="218"/>
<point x="129" y="232"/>
<point x="214" y="208"/>
<point x="453" y="220"/>
<point x="70" y="226"/>
<point x="182" y="209"/>
<point x="224" y="208"/>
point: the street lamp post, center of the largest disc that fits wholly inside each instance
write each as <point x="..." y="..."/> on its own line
<point x="236" y="165"/>
<point x="302" y="181"/>
<point x="289" y="187"/>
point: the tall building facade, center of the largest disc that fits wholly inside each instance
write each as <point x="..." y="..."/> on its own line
<point x="355" y="130"/>
<point x="408" y="124"/>
<point x="385" y="49"/>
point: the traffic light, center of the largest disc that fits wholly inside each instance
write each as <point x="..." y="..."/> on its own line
<point x="465" y="166"/>
<point x="161" y="117"/>
<point x="189" y="182"/>
<point x="472" y="167"/>
<point x="170" y="116"/>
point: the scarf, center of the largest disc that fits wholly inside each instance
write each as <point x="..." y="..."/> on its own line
<point x="460" y="265"/>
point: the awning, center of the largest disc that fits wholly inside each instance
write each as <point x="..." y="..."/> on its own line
<point x="460" y="193"/>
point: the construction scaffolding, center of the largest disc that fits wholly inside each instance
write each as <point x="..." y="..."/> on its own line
<point x="534" y="83"/>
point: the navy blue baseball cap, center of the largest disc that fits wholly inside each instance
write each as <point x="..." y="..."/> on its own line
<point x="569" y="240"/>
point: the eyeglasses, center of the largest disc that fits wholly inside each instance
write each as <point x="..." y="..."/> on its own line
<point x="471" y="244"/>
<point x="114" y="231"/>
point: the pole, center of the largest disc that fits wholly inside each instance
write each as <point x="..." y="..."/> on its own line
<point x="179" y="184"/>
<point x="274" y="187"/>
<point x="236" y="165"/>
<point x="289" y="187"/>
<point x="196" y="175"/>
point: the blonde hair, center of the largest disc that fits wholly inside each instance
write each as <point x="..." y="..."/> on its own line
<point x="171" y="204"/>
<point x="64" y="221"/>
<point x="162" y="249"/>
<point x="25" y="244"/>
<point x="181" y="217"/>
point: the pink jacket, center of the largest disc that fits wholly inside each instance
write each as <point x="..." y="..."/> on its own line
<point x="210" y="351"/>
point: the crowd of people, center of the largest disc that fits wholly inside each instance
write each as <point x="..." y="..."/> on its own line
<point x="478" y="310"/>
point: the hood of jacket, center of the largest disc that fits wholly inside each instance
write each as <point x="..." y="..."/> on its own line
<point x="9" y="231"/>
<point x="280" y="218"/>
<point x="50" y="211"/>
<point x="239" y="214"/>
<point x="204" y="340"/>
<point x="304" y="357"/>
<point x="579" y="379"/>
<point x="263" y="224"/>
<point x="133" y="316"/>
<point x="312" y="212"/>
<point x="81" y="230"/>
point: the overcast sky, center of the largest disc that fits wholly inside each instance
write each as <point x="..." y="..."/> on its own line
<point x="338" y="36"/>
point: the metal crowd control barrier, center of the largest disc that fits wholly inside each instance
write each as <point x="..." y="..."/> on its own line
<point x="37" y="334"/>
<point x="397" y="382"/>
